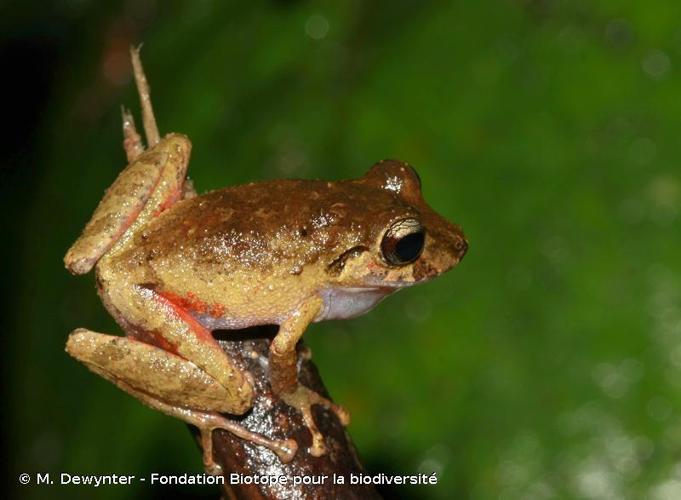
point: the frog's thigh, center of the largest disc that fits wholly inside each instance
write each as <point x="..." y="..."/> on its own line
<point x="167" y="383"/>
<point x="184" y="335"/>
<point x="148" y="368"/>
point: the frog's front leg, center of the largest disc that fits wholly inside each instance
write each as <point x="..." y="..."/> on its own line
<point x="170" y="384"/>
<point x="284" y="376"/>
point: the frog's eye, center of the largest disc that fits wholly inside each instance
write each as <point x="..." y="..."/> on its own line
<point x="403" y="242"/>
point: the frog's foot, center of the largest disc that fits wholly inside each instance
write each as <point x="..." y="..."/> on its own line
<point x="207" y="422"/>
<point x="148" y="119"/>
<point x="302" y="400"/>
<point x="170" y="384"/>
<point x="285" y="449"/>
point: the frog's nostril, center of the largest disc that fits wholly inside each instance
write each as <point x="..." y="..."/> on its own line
<point x="461" y="246"/>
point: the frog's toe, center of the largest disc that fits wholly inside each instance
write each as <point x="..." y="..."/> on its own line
<point x="302" y="400"/>
<point x="213" y="468"/>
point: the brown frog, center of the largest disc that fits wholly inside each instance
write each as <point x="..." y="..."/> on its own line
<point x="172" y="266"/>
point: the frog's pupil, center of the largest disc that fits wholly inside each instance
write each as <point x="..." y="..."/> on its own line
<point x="409" y="248"/>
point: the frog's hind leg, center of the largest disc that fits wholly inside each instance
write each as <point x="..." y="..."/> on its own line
<point x="164" y="321"/>
<point x="170" y="384"/>
<point x="150" y="184"/>
<point x="188" y="189"/>
<point x="145" y="188"/>
<point x="132" y="142"/>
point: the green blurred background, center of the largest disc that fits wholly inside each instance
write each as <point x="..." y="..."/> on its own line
<point x="547" y="365"/>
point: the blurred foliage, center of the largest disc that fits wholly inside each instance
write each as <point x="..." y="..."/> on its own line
<point x="547" y="365"/>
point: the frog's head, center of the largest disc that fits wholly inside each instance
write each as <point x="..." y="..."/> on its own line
<point x="407" y="241"/>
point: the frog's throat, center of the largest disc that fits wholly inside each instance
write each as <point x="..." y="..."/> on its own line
<point x="345" y="303"/>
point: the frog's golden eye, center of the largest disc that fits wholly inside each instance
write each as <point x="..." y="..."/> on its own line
<point x="403" y="242"/>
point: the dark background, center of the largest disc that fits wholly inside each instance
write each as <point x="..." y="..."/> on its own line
<point x="547" y="365"/>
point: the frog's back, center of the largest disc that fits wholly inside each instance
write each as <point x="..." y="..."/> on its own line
<point x="270" y="226"/>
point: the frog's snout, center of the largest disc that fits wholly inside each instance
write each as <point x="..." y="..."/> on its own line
<point x="460" y="246"/>
<point x="454" y="244"/>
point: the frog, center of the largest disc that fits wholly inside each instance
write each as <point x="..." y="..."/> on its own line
<point x="172" y="266"/>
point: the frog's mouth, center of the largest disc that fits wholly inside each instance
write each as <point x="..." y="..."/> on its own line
<point x="390" y="285"/>
<point x="374" y="288"/>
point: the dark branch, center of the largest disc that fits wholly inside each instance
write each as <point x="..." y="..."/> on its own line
<point x="275" y="419"/>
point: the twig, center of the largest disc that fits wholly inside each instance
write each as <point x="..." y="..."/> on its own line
<point x="275" y="419"/>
